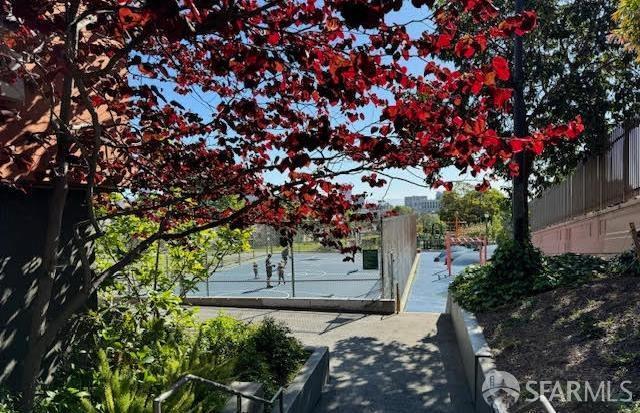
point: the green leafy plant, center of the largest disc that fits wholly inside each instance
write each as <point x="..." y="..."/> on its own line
<point x="7" y="402"/>
<point x="625" y="264"/>
<point x="569" y="269"/>
<point x="225" y="335"/>
<point x="509" y="276"/>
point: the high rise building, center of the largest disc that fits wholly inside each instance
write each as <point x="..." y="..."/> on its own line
<point x="423" y="204"/>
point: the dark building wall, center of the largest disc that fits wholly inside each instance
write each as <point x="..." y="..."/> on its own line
<point x="23" y="222"/>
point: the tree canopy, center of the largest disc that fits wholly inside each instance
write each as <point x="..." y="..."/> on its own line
<point x="627" y="16"/>
<point x="283" y="88"/>
<point x="472" y="207"/>
<point x="572" y="65"/>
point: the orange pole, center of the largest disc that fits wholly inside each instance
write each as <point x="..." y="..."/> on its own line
<point x="448" y="246"/>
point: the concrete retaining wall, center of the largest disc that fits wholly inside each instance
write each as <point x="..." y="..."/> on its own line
<point x="300" y="396"/>
<point x="303" y="393"/>
<point x="305" y="304"/>
<point x="599" y="233"/>
<point x="475" y="353"/>
<point x="248" y="406"/>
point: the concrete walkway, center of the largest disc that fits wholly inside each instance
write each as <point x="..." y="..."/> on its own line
<point x="400" y="363"/>
<point x="429" y="290"/>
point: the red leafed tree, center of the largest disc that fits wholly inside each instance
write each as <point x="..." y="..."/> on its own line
<point x="279" y="86"/>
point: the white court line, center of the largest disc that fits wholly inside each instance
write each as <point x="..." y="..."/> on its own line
<point x="243" y="293"/>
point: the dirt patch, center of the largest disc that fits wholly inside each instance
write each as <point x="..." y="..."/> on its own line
<point x="590" y="333"/>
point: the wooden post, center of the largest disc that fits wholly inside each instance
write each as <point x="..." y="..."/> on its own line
<point x="636" y="238"/>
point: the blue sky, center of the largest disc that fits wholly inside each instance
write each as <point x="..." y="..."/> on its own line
<point x="397" y="188"/>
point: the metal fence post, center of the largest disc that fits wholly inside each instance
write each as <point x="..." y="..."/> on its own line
<point x="382" y="261"/>
<point x="239" y="403"/>
<point x="293" y="273"/>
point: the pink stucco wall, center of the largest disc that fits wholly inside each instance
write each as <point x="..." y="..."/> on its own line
<point x="603" y="232"/>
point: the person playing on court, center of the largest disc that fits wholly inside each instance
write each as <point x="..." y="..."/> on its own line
<point x="255" y="270"/>
<point x="281" y="273"/>
<point x="285" y="255"/>
<point x="269" y="269"/>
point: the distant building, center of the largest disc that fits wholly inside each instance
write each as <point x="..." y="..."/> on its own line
<point x="423" y="204"/>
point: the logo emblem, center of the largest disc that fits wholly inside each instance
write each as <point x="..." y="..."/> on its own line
<point x="500" y="386"/>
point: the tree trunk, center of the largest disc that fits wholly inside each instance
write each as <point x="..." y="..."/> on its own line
<point x="520" y="196"/>
<point x="39" y="312"/>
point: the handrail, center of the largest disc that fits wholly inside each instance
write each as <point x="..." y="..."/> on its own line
<point x="157" y="402"/>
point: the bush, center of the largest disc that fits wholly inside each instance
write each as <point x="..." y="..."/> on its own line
<point x="625" y="264"/>
<point x="225" y="335"/>
<point x="6" y="402"/>
<point x="510" y="275"/>
<point x="569" y="269"/>
<point x="271" y="356"/>
<point x="515" y="273"/>
<point x="131" y="352"/>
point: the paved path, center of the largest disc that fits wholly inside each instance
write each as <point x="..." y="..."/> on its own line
<point x="429" y="290"/>
<point x="400" y="363"/>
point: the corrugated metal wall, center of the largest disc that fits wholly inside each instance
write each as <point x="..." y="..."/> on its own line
<point x="399" y="239"/>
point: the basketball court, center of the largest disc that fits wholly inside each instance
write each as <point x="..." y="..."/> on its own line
<point x="317" y="275"/>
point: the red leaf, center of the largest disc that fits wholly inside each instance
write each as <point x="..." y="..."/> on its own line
<point x="147" y="69"/>
<point x="273" y="38"/>
<point x="483" y="186"/>
<point x="537" y="146"/>
<point x="444" y="41"/>
<point x="517" y="144"/>
<point x="501" y="67"/>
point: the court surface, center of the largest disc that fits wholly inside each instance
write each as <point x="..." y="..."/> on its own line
<point x="317" y="275"/>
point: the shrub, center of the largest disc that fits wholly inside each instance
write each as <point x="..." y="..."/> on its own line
<point x="625" y="264"/>
<point x="271" y="355"/>
<point x="225" y="335"/>
<point x="569" y="269"/>
<point x="509" y="276"/>
<point x="515" y="273"/>
<point x="6" y="402"/>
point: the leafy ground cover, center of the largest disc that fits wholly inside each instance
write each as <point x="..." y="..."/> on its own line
<point x="517" y="272"/>
<point x="585" y="333"/>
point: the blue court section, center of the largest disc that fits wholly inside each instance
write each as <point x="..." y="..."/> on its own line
<point x="317" y="275"/>
<point x="429" y="291"/>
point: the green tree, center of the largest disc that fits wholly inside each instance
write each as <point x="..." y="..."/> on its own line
<point x="628" y="18"/>
<point x="572" y="67"/>
<point x="166" y="266"/>
<point x="402" y="210"/>
<point x="471" y="206"/>
<point x="427" y="221"/>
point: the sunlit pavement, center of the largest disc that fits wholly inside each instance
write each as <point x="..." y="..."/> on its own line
<point x="398" y="363"/>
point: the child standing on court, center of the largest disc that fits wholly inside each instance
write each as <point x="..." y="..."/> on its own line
<point x="281" y="273"/>
<point x="255" y="270"/>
